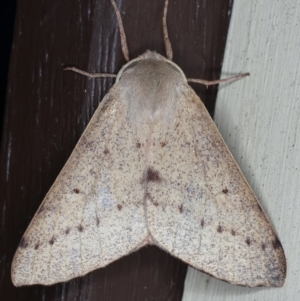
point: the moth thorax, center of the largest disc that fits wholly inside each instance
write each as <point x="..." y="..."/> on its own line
<point x="151" y="90"/>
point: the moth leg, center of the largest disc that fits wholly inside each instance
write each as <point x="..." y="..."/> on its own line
<point x="216" y="82"/>
<point x="90" y="75"/>
<point x="168" y="45"/>
<point x="122" y="32"/>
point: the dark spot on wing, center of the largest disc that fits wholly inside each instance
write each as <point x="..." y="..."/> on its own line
<point x="37" y="245"/>
<point x="152" y="175"/>
<point x="263" y="246"/>
<point x="80" y="228"/>
<point x="220" y="229"/>
<point x="148" y="196"/>
<point x="277" y="278"/>
<point x="232" y="232"/>
<point x="41" y="209"/>
<point x="276" y="244"/>
<point x="202" y="222"/>
<point x="76" y="190"/>
<point x="225" y="190"/>
<point x="259" y="208"/>
<point x="97" y="221"/>
<point x="89" y="145"/>
<point x="23" y="243"/>
<point x="177" y="124"/>
<point x="67" y="231"/>
<point x="120" y="207"/>
<point x="52" y="240"/>
<point x="248" y="242"/>
<point x="180" y="208"/>
<point x="106" y="151"/>
<point x="138" y="145"/>
<point x="92" y="172"/>
<point x="163" y="144"/>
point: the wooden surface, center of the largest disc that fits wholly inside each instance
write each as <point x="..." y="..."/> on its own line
<point x="7" y="18"/>
<point x="48" y="109"/>
<point x="259" y="118"/>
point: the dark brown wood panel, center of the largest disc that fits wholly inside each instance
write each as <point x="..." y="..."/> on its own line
<point x="48" y="109"/>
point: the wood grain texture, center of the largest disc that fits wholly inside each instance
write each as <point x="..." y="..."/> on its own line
<point x="47" y="111"/>
<point x="259" y="119"/>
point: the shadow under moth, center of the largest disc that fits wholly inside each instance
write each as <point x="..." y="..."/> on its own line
<point x="150" y="168"/>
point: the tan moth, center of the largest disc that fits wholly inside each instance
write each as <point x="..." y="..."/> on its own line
<point x="150" y="168"/>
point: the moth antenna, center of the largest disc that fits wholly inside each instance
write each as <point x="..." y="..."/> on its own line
<point x="90" y="75"/>
<point x="168" y="45"/>
<point x="216" y="82"/>
<point x="122" y="31"/>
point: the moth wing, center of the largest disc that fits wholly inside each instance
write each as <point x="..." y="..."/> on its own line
<point x="93" y="213"/>
<point x="202" y="210"/>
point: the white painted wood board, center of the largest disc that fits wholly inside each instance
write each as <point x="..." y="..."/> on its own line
<point x="259" y="118"/>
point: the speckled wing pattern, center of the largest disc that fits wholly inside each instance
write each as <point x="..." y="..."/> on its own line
<point x="200" y="207"/>
<point x="94" y="213"/>
<point x="151" y="167"/>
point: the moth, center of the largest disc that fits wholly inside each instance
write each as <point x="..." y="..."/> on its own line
<point x="150" y="168"/>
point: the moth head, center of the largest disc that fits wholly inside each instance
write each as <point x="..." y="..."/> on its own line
<point x="150" y="86"/>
